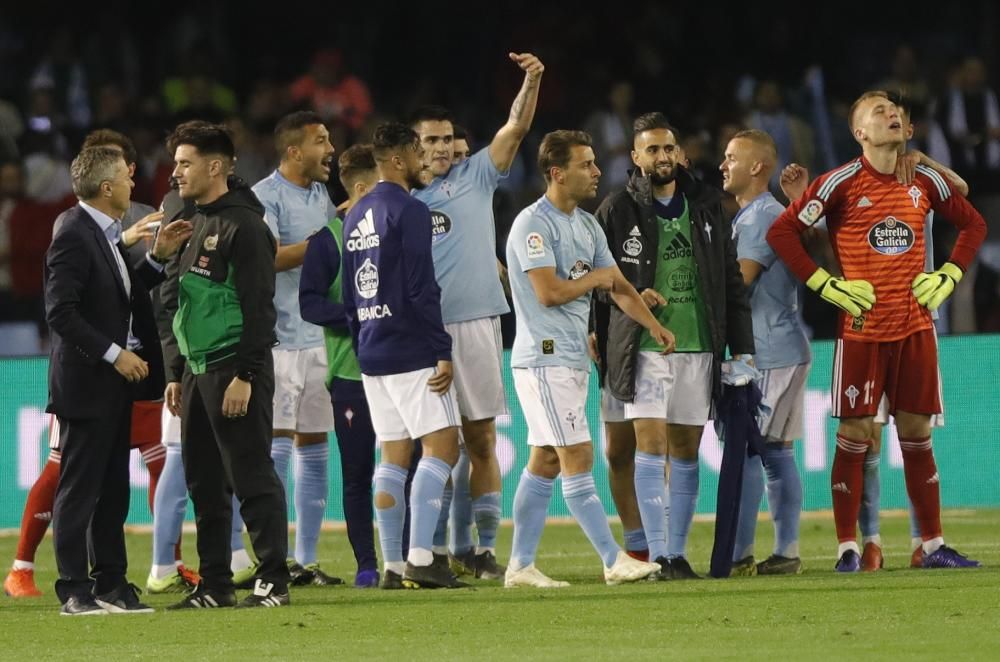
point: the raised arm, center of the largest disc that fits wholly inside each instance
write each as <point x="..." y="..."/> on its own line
<point x="522" y="112"/>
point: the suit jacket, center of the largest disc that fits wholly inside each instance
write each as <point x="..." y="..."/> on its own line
<point x="87" y="308"/>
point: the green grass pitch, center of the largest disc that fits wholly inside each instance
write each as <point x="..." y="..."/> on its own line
<point x="895" y="614"/>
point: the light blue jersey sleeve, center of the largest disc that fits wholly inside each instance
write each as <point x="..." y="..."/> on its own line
<point x="751" y="236"/>
<point x="482" y="169"/>
<point x="272" y="210"/>
<point x="531" y="242"/>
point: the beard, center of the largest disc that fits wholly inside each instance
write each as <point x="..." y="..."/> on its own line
<point x="417" y="181"/>
<point x="661" y="180"/>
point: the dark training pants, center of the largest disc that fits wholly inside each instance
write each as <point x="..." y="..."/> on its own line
<point x="223" y="456"/>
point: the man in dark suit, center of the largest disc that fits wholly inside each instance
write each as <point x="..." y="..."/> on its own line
<point x="101" y="328"/>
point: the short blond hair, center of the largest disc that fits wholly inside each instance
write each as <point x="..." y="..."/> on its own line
<point x="871" y="94"/>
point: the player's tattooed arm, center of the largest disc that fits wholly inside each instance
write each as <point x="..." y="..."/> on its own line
<point x="522" y="112"/>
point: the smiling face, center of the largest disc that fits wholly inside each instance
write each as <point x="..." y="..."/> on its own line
<point x="194" y="171"/>
<point x="655" y="152"/>
<point x="437" y="138"/>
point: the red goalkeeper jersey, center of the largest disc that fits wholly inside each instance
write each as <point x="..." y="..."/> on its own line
<point x="876" y="227"/>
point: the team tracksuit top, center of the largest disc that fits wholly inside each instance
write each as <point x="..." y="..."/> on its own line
<point x="391" y="297"/>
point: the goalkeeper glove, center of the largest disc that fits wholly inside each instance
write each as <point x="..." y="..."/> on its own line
<point x="931" y="289"/>
<point x="851" y="296"/>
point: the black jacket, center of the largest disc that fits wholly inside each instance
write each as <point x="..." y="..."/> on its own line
<point x="230" y="240"/>
<point x="630" y="224"/>
<point x="87" y="309"/>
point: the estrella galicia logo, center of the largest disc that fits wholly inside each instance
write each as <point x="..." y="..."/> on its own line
<point x="579" y="270"/>
<point x="891" y="236"/>
<point x="681" y="279"/>
<point x="440" y="226"/>
<point x="366" y="279"/>
<point x="632" y="246"/>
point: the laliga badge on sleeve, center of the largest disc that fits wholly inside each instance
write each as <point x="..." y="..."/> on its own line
<point x="536" y="246"/>
<point x="812" y="212"/>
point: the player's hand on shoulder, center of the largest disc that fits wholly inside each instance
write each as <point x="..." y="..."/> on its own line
<point x="906" y="166"/>
<point x="441" y="381"/>
<point x="529" y="63"/>
<point x="794" y="181"/>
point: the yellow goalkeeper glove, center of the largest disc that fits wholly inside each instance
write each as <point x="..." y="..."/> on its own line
<point x="851" y="296"/>
<point x="931" y="289"/>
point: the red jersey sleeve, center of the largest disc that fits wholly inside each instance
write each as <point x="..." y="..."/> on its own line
<point x="785" y="233"/>
<point x="959" y="212"/>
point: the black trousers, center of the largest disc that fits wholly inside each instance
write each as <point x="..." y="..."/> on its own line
<point x="356" y="440"/>
<point x="91" y="503"/>
<point x="223" y="456"/>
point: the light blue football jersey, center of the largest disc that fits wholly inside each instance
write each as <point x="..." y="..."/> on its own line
<point x="774" y="300"/>
<point x="543" y="236"/>
<point x="464" y="239"/>
<point x="293" y="214"/>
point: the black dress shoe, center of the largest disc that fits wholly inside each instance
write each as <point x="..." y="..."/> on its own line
<point x="123" y="600"/>
<point x="83" y="605"/>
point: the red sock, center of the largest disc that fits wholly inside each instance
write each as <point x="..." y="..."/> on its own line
<point x="846" y="481"/>
<point x="38" y="511"/>
<point x="922" y="484"/>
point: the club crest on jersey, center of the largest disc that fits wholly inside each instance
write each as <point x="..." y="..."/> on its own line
<point x="536" y="245"/>
<point x="915" y="194"/>
<point x="440" y="226"/>
<point x="366" y="279"/>
<point x="852" y="394"/>
<point x="812" y="212"/>
<point x="211" y="242"/>
<point x="579" y="270"/>
<point x="891" y="236"/>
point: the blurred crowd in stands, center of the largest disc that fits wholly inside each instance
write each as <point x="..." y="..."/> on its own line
<point x="792" y="75"/>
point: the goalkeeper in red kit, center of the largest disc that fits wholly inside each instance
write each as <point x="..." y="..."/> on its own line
<point x="886" y="344"/>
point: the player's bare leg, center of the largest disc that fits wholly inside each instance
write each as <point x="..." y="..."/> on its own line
<point x="621" y="476"/>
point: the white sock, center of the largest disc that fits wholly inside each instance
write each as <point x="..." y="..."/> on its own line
<point x="916" y="542"/>
<point x="844" y="546"/>
<point x="241" y="560"/>
<point x="877" y="539"/>
<point x="481" y="550"/>
<point x="791" y="551"/>
<point x="23" y="565"/>
<point x="161" y="571"/>
<point x="932" y="545"/>
<point x="439" y="549"/>
<point x="420" y="557"/>
<point x="397" y="567"/>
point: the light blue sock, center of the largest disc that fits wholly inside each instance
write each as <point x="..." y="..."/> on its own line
<point x="169" y="506"/>
<point x="391" y="479"/>
<point x="460" y="520"/>
<point x="236" y="538"/>
<point x="649" y="492"/>
<point x="486" y="512"/>
<point x="914" y="524"/>
<point x="281" y="454"/>
<point x="870" y="497"/>
<point x="683" y="500"/>
<point x="753" y="490"/>
<point x="441" y="532"/>
<point x="581" y="498"/>
<point x="784" y="498"/>
<point x="425" y="505"/>
<point x="635" y="540"/>
<point x="531" y="505"/>
<point x="311" y="488"/>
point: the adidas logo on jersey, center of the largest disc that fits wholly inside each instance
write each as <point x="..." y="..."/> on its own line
<point x="864" y="202"/>
<point x="634" y="232"/>
<point x="45" y="517"/>
<point x="840" y="487"/>
<point x="679" y="247"/>
<point x="934" y="479"/>
<point x="363" y="236"/>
